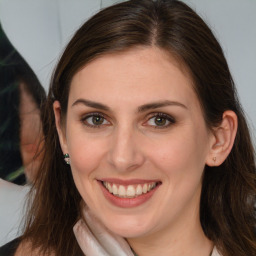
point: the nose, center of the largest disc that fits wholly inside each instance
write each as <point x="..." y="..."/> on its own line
<point x="125" y="152"/>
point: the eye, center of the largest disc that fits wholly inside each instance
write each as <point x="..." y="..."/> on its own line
<point x="95" y="120"/>
<point x="160" y="120"/>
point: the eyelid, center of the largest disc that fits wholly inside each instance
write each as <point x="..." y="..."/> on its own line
<point x="168" y="117"/>
<point x="162" y="114"/>
<point x="91" y="114"/>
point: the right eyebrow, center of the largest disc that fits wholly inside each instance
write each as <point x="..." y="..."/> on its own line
<point x="91" y="104"/>
<point x="160" y="104"/>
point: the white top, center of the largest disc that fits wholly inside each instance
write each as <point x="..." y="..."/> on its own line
<point x="12" y="201"/>
<point x="215" y="252"/>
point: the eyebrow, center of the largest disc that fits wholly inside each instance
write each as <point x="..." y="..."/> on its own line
<point x="141" y="108"/>
<point x="91" y="104"/>
<point x="159" y="104"/>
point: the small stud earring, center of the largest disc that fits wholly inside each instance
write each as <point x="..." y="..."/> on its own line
<point x="214" y="159"/>
<point x="67" y="158"/>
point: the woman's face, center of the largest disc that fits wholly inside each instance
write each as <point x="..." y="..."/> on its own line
<point x="135" y="126"/>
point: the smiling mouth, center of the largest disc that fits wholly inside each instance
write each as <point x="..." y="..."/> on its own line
<point x="129" y="191"/>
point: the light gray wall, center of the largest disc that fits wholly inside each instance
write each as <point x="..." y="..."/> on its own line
<point x="39" y="29"/>
<point x="234" y="24"/>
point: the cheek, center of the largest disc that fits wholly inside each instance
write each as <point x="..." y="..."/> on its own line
<point x="86" y="154"/>
<point x="178" y="152"/>
<point x="181" y="158"/>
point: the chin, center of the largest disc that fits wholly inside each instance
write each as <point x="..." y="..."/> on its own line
<point x="129" y="232"/>
<point x="128" y="229"/>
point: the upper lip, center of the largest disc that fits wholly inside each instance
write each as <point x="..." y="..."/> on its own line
<point x="127" y="182"/>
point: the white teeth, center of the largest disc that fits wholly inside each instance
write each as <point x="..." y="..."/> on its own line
<point x="121" y="191"/>
<point x="115" y="190"/>
<point x="139" y="190"/>
<point x="109" y="188"/>
<point x="129" y="191"/>
<point x="145" y="188"/>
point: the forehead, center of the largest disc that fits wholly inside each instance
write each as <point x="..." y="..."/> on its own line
<point x="140" y="75"/>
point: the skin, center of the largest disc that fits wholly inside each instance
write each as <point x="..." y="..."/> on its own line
<point x="31" y="141"/>
<point x="129" y="144"/>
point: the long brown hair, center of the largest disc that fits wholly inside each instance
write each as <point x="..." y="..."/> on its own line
<point x="228" y="191"/>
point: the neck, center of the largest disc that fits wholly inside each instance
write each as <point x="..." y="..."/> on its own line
<point x="176" y="239"/>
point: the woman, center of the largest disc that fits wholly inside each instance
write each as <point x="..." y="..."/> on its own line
<point x="158" y="157"/>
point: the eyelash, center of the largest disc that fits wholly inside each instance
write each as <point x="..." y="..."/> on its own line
<point x="95" y="114"/>
<point x="167" y="117"/>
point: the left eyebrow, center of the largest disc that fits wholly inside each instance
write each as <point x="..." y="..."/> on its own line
<point x="91" y="104"/>
<point x="159" y="104"/>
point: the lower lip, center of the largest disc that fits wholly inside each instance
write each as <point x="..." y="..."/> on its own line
<point x="127" y="202"/>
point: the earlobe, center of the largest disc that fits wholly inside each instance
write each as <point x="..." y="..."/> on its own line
<point x="59" y="126"/>
<point x="224" y="137"/>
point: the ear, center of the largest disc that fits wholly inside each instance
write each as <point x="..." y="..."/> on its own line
<point x="223" y="139"/>
<point x="60" y="127"/>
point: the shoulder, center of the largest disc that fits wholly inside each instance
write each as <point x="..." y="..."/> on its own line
<point x="10" y="248"/>
<point x="25" y="249"/>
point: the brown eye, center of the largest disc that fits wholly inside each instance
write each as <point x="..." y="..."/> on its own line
<point x="95" y="120"/>
<point x="160" y="120"/>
